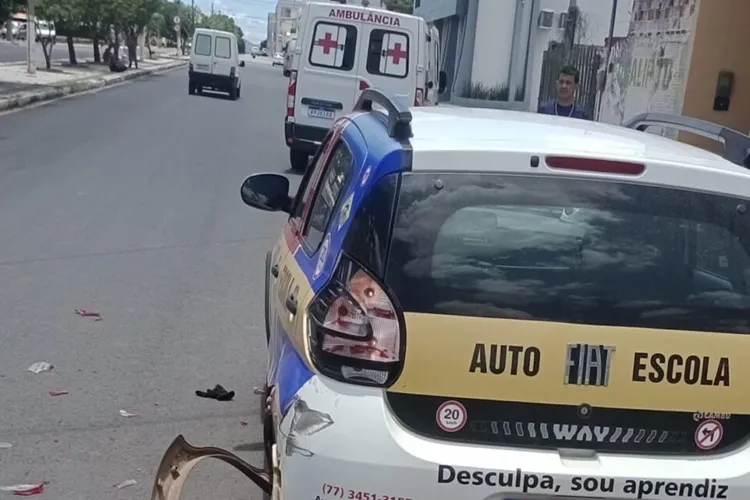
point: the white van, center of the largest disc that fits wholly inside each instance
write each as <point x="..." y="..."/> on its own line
<point x="215" y="63"/>
<point x="344" y="49"/>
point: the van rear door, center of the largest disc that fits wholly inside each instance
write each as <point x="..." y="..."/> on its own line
<point x="389" y="55"/>
<point x="327" y="79"/>
<point x="224" y="54"/>
<point x="203" y="49"/>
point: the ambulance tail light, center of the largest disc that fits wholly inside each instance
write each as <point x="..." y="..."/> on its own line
<point x="291" y="94"/>
<point x="595" y="165"/>
<point x="231" y="72"/>
<point x="363" y="85"/>
<point x="356" y="332"/>
<point x="419" y="97"/>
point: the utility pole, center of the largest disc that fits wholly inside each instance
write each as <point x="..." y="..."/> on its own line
<point x="608" y="59"/>
<point x="30" y="38"/>
<point x="212" y="8"/>
<point x="192" y="18"/>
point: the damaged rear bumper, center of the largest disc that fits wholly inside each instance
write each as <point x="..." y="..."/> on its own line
<point x="181" y="457"/>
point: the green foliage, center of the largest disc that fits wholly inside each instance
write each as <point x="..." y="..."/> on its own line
<point x="404" y="6"/>
<point x="8" y="7"/>
<point x="263" y="44"/>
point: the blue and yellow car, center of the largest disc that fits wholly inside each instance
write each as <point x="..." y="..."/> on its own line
<point x="485" y="304"/>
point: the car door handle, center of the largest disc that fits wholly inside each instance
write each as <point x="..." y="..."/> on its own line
<point x="275" y="270"/>
<point x="291" y="304"/>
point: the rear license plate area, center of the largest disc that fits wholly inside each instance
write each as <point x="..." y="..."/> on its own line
<point x="201" y="67"/>
<point x="325" y="114"/>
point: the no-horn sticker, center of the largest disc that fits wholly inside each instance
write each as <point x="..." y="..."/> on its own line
<point x="708" y="434"/>
<point x="451" y="416"/>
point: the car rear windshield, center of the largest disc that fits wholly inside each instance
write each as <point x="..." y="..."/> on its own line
<point x="571" y="250"/>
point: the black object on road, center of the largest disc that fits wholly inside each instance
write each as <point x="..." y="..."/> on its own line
<point x="218" y="393"/>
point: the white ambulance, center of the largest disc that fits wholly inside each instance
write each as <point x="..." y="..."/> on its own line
<point x="342" y="50"/>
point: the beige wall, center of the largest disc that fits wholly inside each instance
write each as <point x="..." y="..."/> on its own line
<point x="721" y="43"/>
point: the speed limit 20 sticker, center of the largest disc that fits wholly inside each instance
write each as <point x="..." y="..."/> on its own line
<point x="451" y="416"/>
<point x="708" y="434"/>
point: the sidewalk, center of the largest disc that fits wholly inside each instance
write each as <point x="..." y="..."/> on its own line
<point x="19" y="89"/>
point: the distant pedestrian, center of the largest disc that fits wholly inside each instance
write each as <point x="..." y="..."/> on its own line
<point x="564" y="104"/>
<point x="132" y="49"/>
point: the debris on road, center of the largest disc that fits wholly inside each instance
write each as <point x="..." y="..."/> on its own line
<point x="25" y="490"/>
<point x="88" y="314"/>
<point x="58" y="393"/>
<point x="39" y="367"/>
<point x="126" y="483"/>
<point x="243" y="424"/>
<point x="127" y="414"/>
<point x="5" y="446"/>
<point x="218" y="393"/>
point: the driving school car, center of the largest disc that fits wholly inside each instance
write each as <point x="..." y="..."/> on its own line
<point x="485" y="304"/>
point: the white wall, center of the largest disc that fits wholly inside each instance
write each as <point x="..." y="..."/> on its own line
<point x="493" y="42"/>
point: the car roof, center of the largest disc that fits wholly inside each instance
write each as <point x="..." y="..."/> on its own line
<point x="442" y="132"/>
<point x="449" y="127"/>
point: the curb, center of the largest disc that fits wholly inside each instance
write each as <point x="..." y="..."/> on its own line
<point x="78" y="86"/>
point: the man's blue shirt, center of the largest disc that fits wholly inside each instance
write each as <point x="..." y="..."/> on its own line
<point x="552" y="108"/>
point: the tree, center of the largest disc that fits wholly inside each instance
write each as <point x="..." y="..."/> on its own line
<point x="263" y="44"/>
<point x="67" y="15"/>
<point x="404" y="6"/>
<point x="7" y="8"/>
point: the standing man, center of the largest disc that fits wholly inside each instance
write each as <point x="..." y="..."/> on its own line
<point x="564" y="104"/>
<point x="132" y="48"/>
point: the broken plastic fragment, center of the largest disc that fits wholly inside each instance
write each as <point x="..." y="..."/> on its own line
<point x="88" y="314"/>
<point x="5" y="446"/>
<point x="25" y="490"/>
<point x="39" y="367"/>
<point x="307" y="421"/>
<point x="128" y="414"/>
<point x="58" y="393"/>
<point x="126" y="483"/>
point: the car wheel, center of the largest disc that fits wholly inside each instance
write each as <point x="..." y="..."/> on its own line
<point x="286" y="72"/>
<point x="239" y="92"/>
<point x="298" y="159"/>
<point x="199" y="89"/>
<point x="233" y="93"/>
<point x="191" y="88"/>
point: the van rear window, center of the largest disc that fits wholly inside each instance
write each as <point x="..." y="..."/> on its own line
<point x="203" y="45"/>
<point x="388" y="54"/>
<point x="223" y="47"/>
<point x="334" y="46"/>
<point x="569" y="250"/>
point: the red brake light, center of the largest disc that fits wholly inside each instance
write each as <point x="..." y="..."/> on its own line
<point x="356" y="334"/>
<point x="363" y="85"/>
<point x="291" y="94"/>
<point x="595" y="165"/>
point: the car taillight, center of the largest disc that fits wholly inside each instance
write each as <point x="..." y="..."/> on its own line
<point x="291" y="94"/>
<point x="231" y="71"/>
<point x="356" y="331"/>
<point x="418" y="97"/>
<point x="363" y="85"/>
<point x="595" y="165"/>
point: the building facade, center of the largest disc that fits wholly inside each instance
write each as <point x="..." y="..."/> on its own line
<point x="494" y="50"/>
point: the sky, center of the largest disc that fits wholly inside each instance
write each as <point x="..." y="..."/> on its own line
<point x="250" y="15"/>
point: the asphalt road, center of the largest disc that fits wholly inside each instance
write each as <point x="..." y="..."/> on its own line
<point x="10" y="52"/>
<point x="135" y="215"/>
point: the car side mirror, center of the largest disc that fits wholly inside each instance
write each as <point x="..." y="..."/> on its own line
<point x="269" y="192"/>
<point x="443" y="82"/>
<point x="242" y="64"/>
